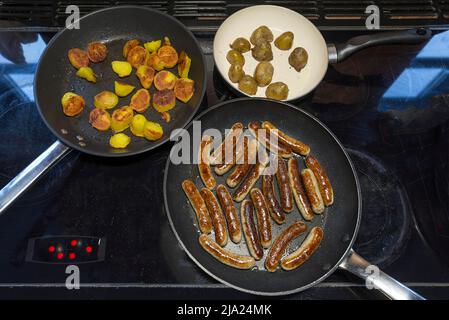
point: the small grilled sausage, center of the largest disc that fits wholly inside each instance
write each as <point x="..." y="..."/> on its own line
<point x="204" y="163"/>
<point x="285" y="191"/>
<point x="224" y="256"/>
<point x="296" y="145"/>
<point x="302" y="202"/>
<point x="273" y="204"/>
<point x="263" y="217"/>
<point x="217" y="217"/>
<point x="245" y="187"/>
<point x="224" y="150"/>
<point x="240" y="170"/>
<point x="265" y="139"/>
<point x="249" y="230"/>
<point x="232" y="218"/>
<point x="281" y="243"/>
<point x="305" y="250"/>
<point x="313" y="193"/>
<point x="198" y="205"/>
<point x="326" y="191"/>
<point x="237" y="151"/>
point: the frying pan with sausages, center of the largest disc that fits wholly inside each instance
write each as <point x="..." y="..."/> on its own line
<point x="340" y="221"/>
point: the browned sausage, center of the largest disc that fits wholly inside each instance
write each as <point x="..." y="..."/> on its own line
<point x="273" y="204"/>
<point x="203" y="163"/>
<point x="281" y="243"/>
<point x="313" y="193"/>
<point x="285" y="191"/>
<point x="265" y="139"/>
<point x="225" y="148"/>
<point x="299" y="193"/>
<point x="243" y="165"/>
<point x="249" y="230"/>
<point x="245" y="187"/>
<point x="198" y="205"/>
<point x="230" y="212"/>
<point x="225" y="256"/>
<point x="303" y="253"/>
<point x="218" y="220"/>
<point x="326" y="191"/>
<point x="263" y="217"/>
<point x="296" y="145"/>
<point x="238" y="152"/>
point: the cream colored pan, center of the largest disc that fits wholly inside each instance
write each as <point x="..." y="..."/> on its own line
<point x="306" y="35"/>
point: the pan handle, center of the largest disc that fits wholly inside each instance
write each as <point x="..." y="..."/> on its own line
<point x="340" y="52"/>
<point x="382" y="281"/>
<point x="31" y="173"/>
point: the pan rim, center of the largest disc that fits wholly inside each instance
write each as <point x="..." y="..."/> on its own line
<point x="152" y="146"/>
<point x="263" y="293"/>
<point x="241" y="93"/>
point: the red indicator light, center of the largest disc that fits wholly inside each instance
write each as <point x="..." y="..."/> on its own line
<point x="71" y="256"/>
<point x="73" y="243"/>
<point x="88" y="249"/>
<point x="60" y="255"/>
<point x="51" y="249"/>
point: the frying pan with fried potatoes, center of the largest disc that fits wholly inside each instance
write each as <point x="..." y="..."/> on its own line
<point x="340" y="221"/>
<point x="56" y="76"/>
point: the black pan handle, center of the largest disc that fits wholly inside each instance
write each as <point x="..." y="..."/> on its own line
<point x="339" y="52"/>
<point x="31" y="173"/>
<point x="378" y="279"/>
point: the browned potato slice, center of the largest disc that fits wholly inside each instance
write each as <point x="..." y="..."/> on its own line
<point x="184" y="63"/>
<point x="140" y="101"/>
<point x="153" y="60"/>
<point x="168" y="54"/>
<point x="184" y="89"/>
<point x="164" y="100"/>
<point x="136" y="56"/>
<point x="97" y="51"/>
<point x="121" y="118"/>
<point x="105" y="100"/>
<point x="164" y="80"/>
<point x="152" y="131"/>
<point x="100" y="119"/>
<point x="72" y="104"/>
<point x="78" y="58"/>
<point x="129" y="45"/>
<point x="145" y="75"/>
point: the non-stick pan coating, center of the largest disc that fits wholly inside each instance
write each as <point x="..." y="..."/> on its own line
<point x="340" y="221"/>
<point x="114" y="26"/>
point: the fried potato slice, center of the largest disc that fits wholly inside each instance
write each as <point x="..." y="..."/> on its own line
<point x="153" y="60"/>
<point x="145" y="75"/>
<point x="168" y="54"/>
<point x="87" y="73"/>
<point x="78" y="58"/>
<point x="122" y="68"/>
<point x="152" y="131"/>
<point x="184" y="63"/>
<point x="184" y="89"/>
<point x="129" y="45"/>
<point x="123" y="89"/>
<point x="105" y="100"/>
<point x="72" y="104"/>
<point x="164" y="80"/>
<point x="136" y="56"/>
<point x="121" y="118"/>
<point x="164" y="100"/>
<point x="138" y="125"/>
<point x="140" y="101"/>
<point x="119" y="141"/>
<point x="152" y="46"/>
<point x="100" y="119"/>
<point x="97" y="51"/>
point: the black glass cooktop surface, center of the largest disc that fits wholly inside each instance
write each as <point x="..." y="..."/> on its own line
<point x="388" y="105"/>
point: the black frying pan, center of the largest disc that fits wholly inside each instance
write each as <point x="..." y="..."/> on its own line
<point x="55" y="76"/>
<point x="340" y="221"/>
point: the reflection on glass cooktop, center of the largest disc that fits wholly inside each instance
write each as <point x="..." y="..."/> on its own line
<point x="388" y="105"/>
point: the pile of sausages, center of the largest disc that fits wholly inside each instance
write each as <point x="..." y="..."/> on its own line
<point x="309" y="188"/>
